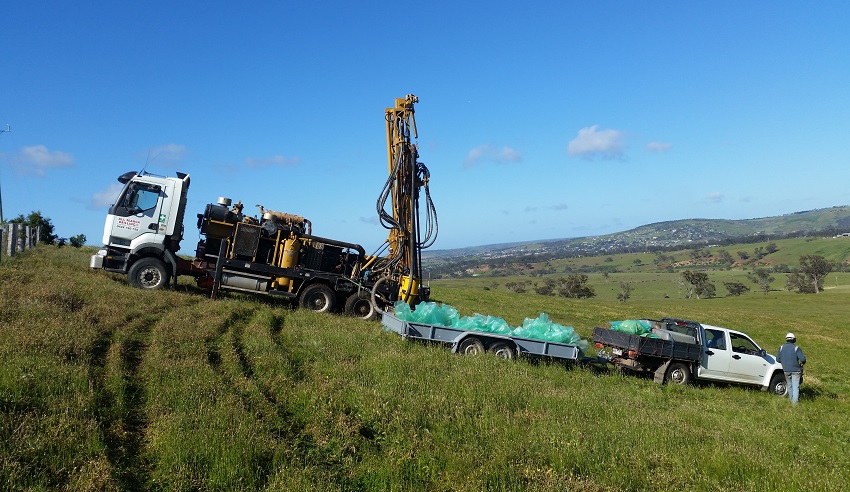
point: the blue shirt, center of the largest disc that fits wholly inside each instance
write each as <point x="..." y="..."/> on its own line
<point x="791" y="357"/>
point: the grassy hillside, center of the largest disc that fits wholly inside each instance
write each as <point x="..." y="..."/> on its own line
<point x="110" y="388"/>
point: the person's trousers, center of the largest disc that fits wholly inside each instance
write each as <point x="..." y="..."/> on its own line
<point x="793" y="381"/>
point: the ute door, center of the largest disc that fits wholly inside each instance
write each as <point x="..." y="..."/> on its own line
<point x="747" y="363"/>
<point x="136" y="212"/>
<point x="716" y="354"/>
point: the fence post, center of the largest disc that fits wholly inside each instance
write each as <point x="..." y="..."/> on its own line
<point x="12" y="242"/>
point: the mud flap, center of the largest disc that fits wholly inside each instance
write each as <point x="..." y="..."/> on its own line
<point x="661" y="372"/>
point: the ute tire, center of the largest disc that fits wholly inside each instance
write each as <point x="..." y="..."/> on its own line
<point x="778" y="384"/>
<point x="678" y="374"/>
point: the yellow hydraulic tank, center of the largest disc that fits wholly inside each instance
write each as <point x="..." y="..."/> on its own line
<point x="408" y="289"/>
<point x="289" y="259"/>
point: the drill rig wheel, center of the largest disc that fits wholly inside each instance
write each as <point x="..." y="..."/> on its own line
<point x="317" y="297"/>
<point x="360" y="306"/>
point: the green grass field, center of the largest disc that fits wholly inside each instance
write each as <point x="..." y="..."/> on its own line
<point x="104" y="387"/>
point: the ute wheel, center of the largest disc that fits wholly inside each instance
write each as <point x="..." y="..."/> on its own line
<point x="148" y="273"/>
<point x="678" y="373"/>
<point x="471" y="346"/>
<point x="502" y="350"/>
<point x="360" y="306"/>
<point x="778" y="384"/>
<point x="317" y="297"/>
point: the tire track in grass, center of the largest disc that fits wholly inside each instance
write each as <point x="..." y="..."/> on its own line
<point x="119" y="397"/>
<point x="227" y="358"/>
<point x="294" y="441"/>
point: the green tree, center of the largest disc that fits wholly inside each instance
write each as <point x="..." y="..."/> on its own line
<point x="725" y="257"/>
<point x="813" y="270"/>
<point x="735" y="288"/>
<point x="698" y="285"/>
<point x="625" y="291"/>
<point x="762" y="278"/>
<point x="78" y="241"/>
<point x="575" y="287"/>
<point x="35" y="219"/>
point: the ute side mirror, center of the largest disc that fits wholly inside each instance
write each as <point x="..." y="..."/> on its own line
<point x="763" y="353"/>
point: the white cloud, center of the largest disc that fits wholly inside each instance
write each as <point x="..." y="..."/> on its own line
<point x="275" y="160"/>
<point x="658" y="147"/>
<point x="488" y="152"/>
<point x="106" y="197"/>
<point x="714" y="197"/>
<point x="592" y="143"/>
<point x="36" y="160"/>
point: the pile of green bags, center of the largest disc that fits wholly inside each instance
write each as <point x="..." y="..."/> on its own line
<point x="634" y="327"/>
<point x="540" y="328"/>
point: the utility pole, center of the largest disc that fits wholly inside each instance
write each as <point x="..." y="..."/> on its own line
<point x="7" y="129"/>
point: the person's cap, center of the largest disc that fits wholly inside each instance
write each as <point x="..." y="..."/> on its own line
<point x="790" y="336"/>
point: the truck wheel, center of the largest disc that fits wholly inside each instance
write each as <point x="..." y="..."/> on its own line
<point x="318" y="297"/>
<point x="360" y="306"/>
<point x="778" y="385"/>
<point x="148" y="273"/>
<point x="678" y="374"/>
<point x="471" y="346"/>
<point x="502" y="350"/>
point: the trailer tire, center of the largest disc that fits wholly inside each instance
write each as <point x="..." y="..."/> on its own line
<point x="148" y="273"/>
<point x="471" y="346"/>
<point x="360" y="306"/>
<point x="678" y="373"/>
<point x="502" y="350"/>
<point x="778" y="384"/>
<point x="317" y="297"/>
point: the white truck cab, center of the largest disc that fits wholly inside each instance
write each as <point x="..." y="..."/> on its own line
<point x="734" y="357"/>
<point x="143" y="229"/>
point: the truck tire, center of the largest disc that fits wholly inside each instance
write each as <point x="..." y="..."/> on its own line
<point x="360" y="306"/>
<point x="678" y="373"/>
<point x="778" y="384"/>
<point x="471" y="346"/>
<point x="148" y="273"/>
<point x="502" y="350"/>
<point x="317" y="297"/>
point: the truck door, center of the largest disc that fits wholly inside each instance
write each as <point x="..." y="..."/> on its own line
<point x="716" y="355"/>
<point x="136" y="212"/>
<point x="747" y="363"/>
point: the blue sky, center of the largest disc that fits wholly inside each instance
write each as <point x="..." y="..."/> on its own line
<point x="537" y="120"/>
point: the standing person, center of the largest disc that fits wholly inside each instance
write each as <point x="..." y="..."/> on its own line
<point x="792" y="359"/>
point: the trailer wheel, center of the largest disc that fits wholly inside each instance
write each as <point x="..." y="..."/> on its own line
<point x="678" y="374"/>
<point x="778" y="384"/>
<point x="148" y="273"/>
<point x="360" y="306"/>
<point x="471" y="346"/>
<point x="318" y="297"/>
<point x="502" y="350"/>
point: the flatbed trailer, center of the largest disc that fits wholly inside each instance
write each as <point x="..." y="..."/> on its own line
<point x="475" y="342"/>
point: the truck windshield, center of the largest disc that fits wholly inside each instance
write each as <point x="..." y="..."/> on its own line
<point x="138" y="198"/>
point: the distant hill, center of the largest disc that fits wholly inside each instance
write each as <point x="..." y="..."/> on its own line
<point x="666" y="235"/>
